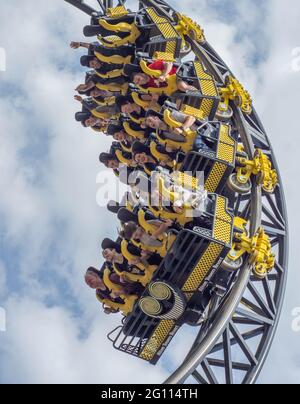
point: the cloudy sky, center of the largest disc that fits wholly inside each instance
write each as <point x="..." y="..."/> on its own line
<point x="50" y="223"/>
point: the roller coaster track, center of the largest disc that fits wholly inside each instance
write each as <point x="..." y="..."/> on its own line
<point x="234" y="340"/>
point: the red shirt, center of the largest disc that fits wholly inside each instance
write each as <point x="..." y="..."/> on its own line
<point x="158" y="65"/>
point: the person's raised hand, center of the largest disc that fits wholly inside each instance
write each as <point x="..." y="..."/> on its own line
<point x="81" y="87"/>
<point x="75" y="45"/>
<point x="78" y="98"/>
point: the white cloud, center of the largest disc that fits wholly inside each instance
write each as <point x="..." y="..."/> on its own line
<point x="44" y="346"/>
<point x="3" y="285"/>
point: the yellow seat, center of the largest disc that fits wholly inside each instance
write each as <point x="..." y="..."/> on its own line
<point x="97" y="114"/>
<point x="119" y="27"/>
<point x="104" y="129"/>
<point x="166" y="239"/>
<point x="114" y="41"/>
<point x="164" y="159"/>
<point x="115" y="59"/>
<point x="143" y="278"/>
<point x="148" y="227"/>
<point x="129" y="301"/>
<point x="147" y="270"/>
<point x="107" y="101"/>
<point x="171" y="81"/>
<point x="139" y="121"/>
<point x="164" y="213"/>
<point x="111" y="75"/>
<point x="108" y="283"/>
<point x="171" y="196"/>
<point x="145" y="104"/>
<point x="114" y="87"/>
<point x="165" y="192"/>
<point x="136" y="134"/>
<point x="130" y="203"/>
<point x="126" y="308"/>
<point x="122" y="159"/>
<point x="125" y="148"/>
<point x="150" y="72"/>
<point x="170" y="121"/>
<point x="189" y="135"/>
<point x="162" y="251"/>
<point x="147" y="171"/>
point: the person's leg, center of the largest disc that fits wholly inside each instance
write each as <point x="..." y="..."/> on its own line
<point x="184" y="87"/>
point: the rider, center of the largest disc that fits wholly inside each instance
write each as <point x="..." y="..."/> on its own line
<point x="168" y="69"/>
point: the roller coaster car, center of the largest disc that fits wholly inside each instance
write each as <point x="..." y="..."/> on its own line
<point x="217" y="163"/>
<point x="156" y="34"/>
<point x="164" y="41"/>
<point x="179" y="290"/>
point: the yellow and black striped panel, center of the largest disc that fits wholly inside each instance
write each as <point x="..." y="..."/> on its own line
<point x="227" y="146"/>
<point x="196" y="112"/>
<point x="155" y="342"/>
<point x="208" y="88"/>
<point x="165" y="27"/>
<point x="187" y="181"/>
<point x="225" y="135"/>
<point x="223" y="222"/>
<point x="215" y="177"/>
<point x="203" y="267"/>
<point x="207" y="83"/>
<point x="222" y="231"/>
<point x="221" y="209"/>
<point x="207" y="106"/>
<point x="166" y="56"/>
<point x="226" y="153"/>
<point x="201" y="73"/>
<point x="116" y="12"/>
